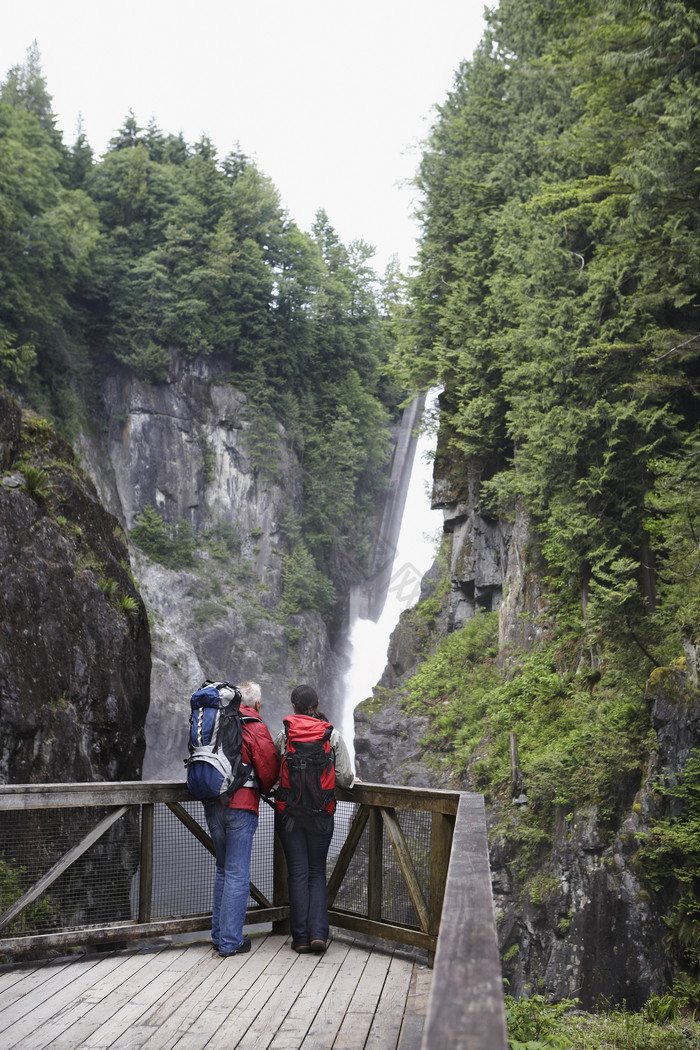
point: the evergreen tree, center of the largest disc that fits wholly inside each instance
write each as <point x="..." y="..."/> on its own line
<point x="81" y="158"/>
<point x="25" y="88"/>
<point x="556" y="298"/>
<point x="159" y="249"/>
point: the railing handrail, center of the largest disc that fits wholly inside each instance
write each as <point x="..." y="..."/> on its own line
<point x="465" y="1010"/>
<point x="376" y="809"/>
<point x="133" y="792"/>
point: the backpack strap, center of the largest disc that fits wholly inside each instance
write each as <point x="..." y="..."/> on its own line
<point x="252" y="781"/>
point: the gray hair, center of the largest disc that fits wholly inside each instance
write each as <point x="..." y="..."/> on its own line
<point x="250" y="693"/>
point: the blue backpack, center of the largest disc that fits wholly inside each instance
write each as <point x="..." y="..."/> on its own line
<point x="214" y="766"/>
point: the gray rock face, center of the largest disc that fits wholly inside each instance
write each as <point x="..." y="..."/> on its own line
<point x="74" y="664"/>
<point x="182" y="447"/>
<point x="594" y="932"/>
<point x="387" y="745"/>
<point x="586" y="927"/>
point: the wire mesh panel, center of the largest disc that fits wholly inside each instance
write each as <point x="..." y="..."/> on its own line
<point x="261" y="862"/>
<point x="95" y="889"/>
<point x="82" y="863"/>
<point x="352" y="896"/>
<point x="396" y="905"/>
<point x="184" y="869"/>
<point x="396" y="902"/>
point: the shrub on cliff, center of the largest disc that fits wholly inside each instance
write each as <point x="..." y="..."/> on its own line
<point x="171" y="545"/>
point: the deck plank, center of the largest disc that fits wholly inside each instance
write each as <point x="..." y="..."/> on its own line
<point x="359" y="1014"/>
<point x="11" y="977"/>
<point x="55" y="995"/>
<point x="39" y="985"/>
<point x="175" y="1015"/>
<point x="143" y="996"/>
<point x="185" y="997"/>
<point x="288" y="1013"/>
<point x="268" y="1015"/>
<point x="247" y="981"/>
<point x="416" y="1009"/>
<point x="329" y="1017"/>
<point x="386" y="1025"/>
<point x="42" y="1026"/>
<point x="295" y="1026"/>
<point x="107" y="999"/>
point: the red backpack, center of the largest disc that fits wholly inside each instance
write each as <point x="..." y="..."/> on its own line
<point x="306" y="792"/>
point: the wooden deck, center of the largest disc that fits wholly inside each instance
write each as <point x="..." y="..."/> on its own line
<point x="185" y="997"/>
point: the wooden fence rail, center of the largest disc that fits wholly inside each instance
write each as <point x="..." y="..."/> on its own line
<point x="444" y="887"/>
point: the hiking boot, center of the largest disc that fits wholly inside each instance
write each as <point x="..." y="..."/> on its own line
<point x="301" y="949"/>
<point x="240" y="950"/>
<point x="319" y="946"/>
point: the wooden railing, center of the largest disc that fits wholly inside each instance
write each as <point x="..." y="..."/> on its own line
<point x="412" y="864"/>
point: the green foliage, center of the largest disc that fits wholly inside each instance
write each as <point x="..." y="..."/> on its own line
<point x="208" y="458"/>
<point x="128" y="604"/>
<point x="36" y="481"/>
<point x="304" y="586"/>
<point x="662" y="1008"/>
<point x="341" y="487"/>
<point x="50" y="247"/>
<point x="533" y="1023"/>
<point x="670" y="857"/>
<point x="454" y="685"/>
<point x="159" y="250"/>
<point x="429" y="608"/>
<point x="581" y="737"/>
<point x="16" y="362"/>
<point x="170" y="544"/>
<point x="207" y="612"/>
<point x="263" y="441"/>
<point x="109" y="586"/>
<point x="224" y="541"/>
<point x="536" y="1024"/>
<point x="577" y="746"/>
<point x="686" y="989"/>
<point x="39" y="915"/>
<point x="556" y="298"/>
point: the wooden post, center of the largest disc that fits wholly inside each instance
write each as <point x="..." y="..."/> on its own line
<point x="466" y="1009"/>
<point x="516" y="777"/>
<point x="375" y="865"/>
<point x="406" y="866"/>
<point x="280" y="893"/>
<point x="146" y="870"/>
<point x="441" y="830"/>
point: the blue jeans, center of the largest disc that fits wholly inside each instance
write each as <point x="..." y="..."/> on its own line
<point x="232" y="833"/>
<point x="306" y="853"/>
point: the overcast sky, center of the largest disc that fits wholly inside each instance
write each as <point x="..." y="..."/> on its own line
<point x="331" y="100"/>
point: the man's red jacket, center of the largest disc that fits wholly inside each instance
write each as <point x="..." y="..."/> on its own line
<point x="259" y="751"/>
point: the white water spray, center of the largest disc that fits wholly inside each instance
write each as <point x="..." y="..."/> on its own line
<point x="416" y="548"/>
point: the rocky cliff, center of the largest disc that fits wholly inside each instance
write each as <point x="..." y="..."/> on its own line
<point x="75" y="664"/>
<point x="74" y="638"/>
<point x="184" y="447"/>
<point x="586" y="926"/>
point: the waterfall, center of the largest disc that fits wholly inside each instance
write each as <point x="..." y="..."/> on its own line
<point x="413" y="554"/>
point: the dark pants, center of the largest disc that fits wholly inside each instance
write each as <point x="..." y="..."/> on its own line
<point x="306" y="854"/>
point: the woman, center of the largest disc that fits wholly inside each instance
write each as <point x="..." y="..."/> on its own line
<point x="305" y="804"/>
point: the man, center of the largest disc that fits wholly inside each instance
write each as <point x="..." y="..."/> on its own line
<point x="232" y="823"/>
